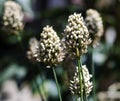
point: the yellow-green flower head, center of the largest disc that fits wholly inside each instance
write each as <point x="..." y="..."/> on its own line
<point x="51" y="51"/>
<point x="75" y="83"/>
<point x="95" y="25"/>
<point x="12" y="17"/>
<point x="76" y="34"/>
<point x="33" y="52"/>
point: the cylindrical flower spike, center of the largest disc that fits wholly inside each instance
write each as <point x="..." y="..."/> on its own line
<point x="50" y="47"/>
<point x="76" y="35"/>
<point x="95" y="25"/>
<point x="12" y="18"/>
<point x="75" y="83"/>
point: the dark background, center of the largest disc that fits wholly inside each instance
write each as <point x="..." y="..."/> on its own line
<point x="16" y="68"/>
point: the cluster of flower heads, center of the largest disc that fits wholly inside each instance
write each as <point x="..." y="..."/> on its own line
<point x="95" y="25"/>
<point x="75" y="83"/>
<point x="76" y="34"/>
<point x="77" y="37"/>
<point x="49" y="49"/>
<point x="12" y="17"/>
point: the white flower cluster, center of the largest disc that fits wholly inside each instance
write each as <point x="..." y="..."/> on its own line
<point x="95" y="25"/>
<point x="76" y="34"/>
<point x="75" y="83"/>
<point x="50" y="48"/>
<point x="33" y="51"/>
<point x="12" y="17"/>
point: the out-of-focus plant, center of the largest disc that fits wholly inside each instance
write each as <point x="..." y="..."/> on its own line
<point x="12" y="23"/>
<point x="94" y="24"/>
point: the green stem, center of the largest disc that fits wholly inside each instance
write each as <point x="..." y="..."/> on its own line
<point x="42" y="80"/>
<point x="42" y="90"/>
<point x="79" y="74"/>
<point x="84" y="90"/>
<point x="80" y="79"/>
<point x="93" y="78"/>
<point x="59" y="93"/>
<point x="39" y="91"/>
<point x="37" y="85"/>
<point x="76" y="99"/>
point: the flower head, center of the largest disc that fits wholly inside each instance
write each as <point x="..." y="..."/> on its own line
<point x="75" y="83"/>
<point x="50" y="49"/>
<point x="12" y="17"/>
<point x="95" y="25"/>
<point x="33" y="51"/>
<point x="76" y="34"/>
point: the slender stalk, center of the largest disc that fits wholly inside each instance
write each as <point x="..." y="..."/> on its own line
<point x="93" y="79"/>
<point x="80" y="76"/>
<point x="59" y="93"/>
<point x="42" y="80"/>
<point x="39" y="91"/>
<point x="84" y="90"/>
<point x="76" y="98"/>
<point x="37" y="85"/>
<point x="42" y="91"/>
